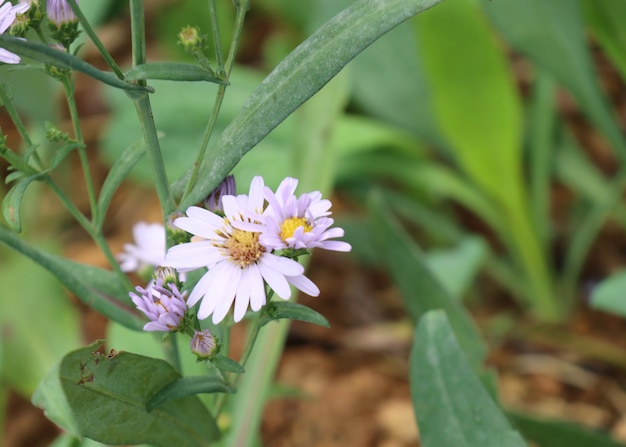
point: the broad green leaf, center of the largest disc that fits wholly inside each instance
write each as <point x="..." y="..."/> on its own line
<point x="551" y="33"/>
<point x="557" y="433"/>
<point x="112" y="390"/>
<point x="277" y="310"/>
<point x="419" y="287"/>
<point x="604" y="19"/>
<point x="39" y="324"/>
<point x="61" y="59"/>
<point x="171" y="71"/>
<point x="227" y="364"/>
<point x="298" y="77"/>
<point x="610" y="294"/>
<point x="187" y="386"/>
<point x="12" y="202"/>
<point x="99" y="289"/>
<point x="474" y="96"/>
<point x="451" y="405"/>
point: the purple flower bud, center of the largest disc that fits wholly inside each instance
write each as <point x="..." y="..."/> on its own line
<point x="226" y="188"/>
<point x="203" y="344"/>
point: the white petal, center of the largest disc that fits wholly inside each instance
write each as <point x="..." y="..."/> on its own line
<point x="225" y="290"/>
<point x="335" y="246"/>
<point x="242" y="297"/>
<point x="231" y="207"/>
<point x="192" y="255"/>
<point x="197" y="227"/>
<point x="257" y="288"/>
<point x="255" y="196"/>
<point x="200" y="289"/>
<point x="304" y="284"/>
<point x="276" y="281"/>
<point x="281" y="264"/>
<point x="9" y="58"/>
<point x="197" y="213"/>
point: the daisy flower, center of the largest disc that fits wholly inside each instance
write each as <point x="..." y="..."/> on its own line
<point x="148" y="250"/>
<point x="238" y="264"/>
<point x="299" y="222"/>
<point x="8" y="12"/>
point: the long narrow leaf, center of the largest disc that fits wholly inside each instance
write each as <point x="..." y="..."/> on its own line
<point x="298" y="77"/>
<point x="98" y="288"/>
<point x="52" y="56"/>
<point x="451" y="405"/>
<point x="171" y="71"/>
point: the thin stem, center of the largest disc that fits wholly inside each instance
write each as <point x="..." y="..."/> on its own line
<point x="153" y="149"/>
<point x="95" y="39"/>
<point x="82" y="150"/>
<point x="217" y="41"/>
<point x="138" y="34"/>
<point x="242" y="8"/>
<point x="170" y="347"/>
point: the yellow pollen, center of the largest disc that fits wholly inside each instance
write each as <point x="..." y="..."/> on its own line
<point x="289" y="226"/>
<point x="243" y="247"/>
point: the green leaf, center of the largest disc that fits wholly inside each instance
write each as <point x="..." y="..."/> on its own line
<point x="474" y="96"/>
<point x="99" y="289"/>
<point x="61" y="59"/>
<point x="227" y="364"/>
<point x="108" y="395"/>
<point x="276" y="310"/>
<point x="421" y="290"/>
<point x="552" y="34"/>
<point x="298" y="77"/>
<point x="62" y="152"/>
<point x="118" y="172"/>
<point x="171" y="71"/>
<point x="556" y="433"/>
<point x="12" y="202"/>
<point x="610" y="295"/>
<point x="187" y="386"/>
<point x="451" y="405"/>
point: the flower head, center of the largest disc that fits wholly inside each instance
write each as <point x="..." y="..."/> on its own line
<point x="148" y="250"/>
<point x="203" y="344"/>
<point x="8" y="13"/>
<point x="63" y="22"/>
<point x="237" y="261"/>
<point x="299" y="222"/>
<point x="165" y="306"/>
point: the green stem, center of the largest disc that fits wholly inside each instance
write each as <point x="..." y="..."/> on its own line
<point x="224" y="72"/>
<point x="96" y="40"/>
<point x="217" y="41"/>
<point x="144" y="111"/>
<point x="153" y="149"/>
<point x="82" y="149"/>
<point x="170" y="347"/>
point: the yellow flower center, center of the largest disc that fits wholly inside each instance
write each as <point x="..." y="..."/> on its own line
<point x="243" y="247"/>
<point x="289" y="226"/>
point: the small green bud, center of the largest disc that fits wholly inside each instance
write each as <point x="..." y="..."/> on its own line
<point x="54" y="134"/>
<point x="191" y="40"/>
<point x="56" y="72"/>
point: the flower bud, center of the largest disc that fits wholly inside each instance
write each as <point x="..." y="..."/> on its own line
<point x="53" y="133"/>
<point x="228" y="187"/>
<point x="191" y="40"/>
<point x="63" y="22"/>
<point x="203" y="344"/>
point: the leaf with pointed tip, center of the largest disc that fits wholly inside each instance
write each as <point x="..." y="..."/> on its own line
<point x="296" y="79"/>
<point x="12" y="202"/>
<point x="293" y="311"/>
<point x="187" y="386"/>
<point x="171" y="71"/>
